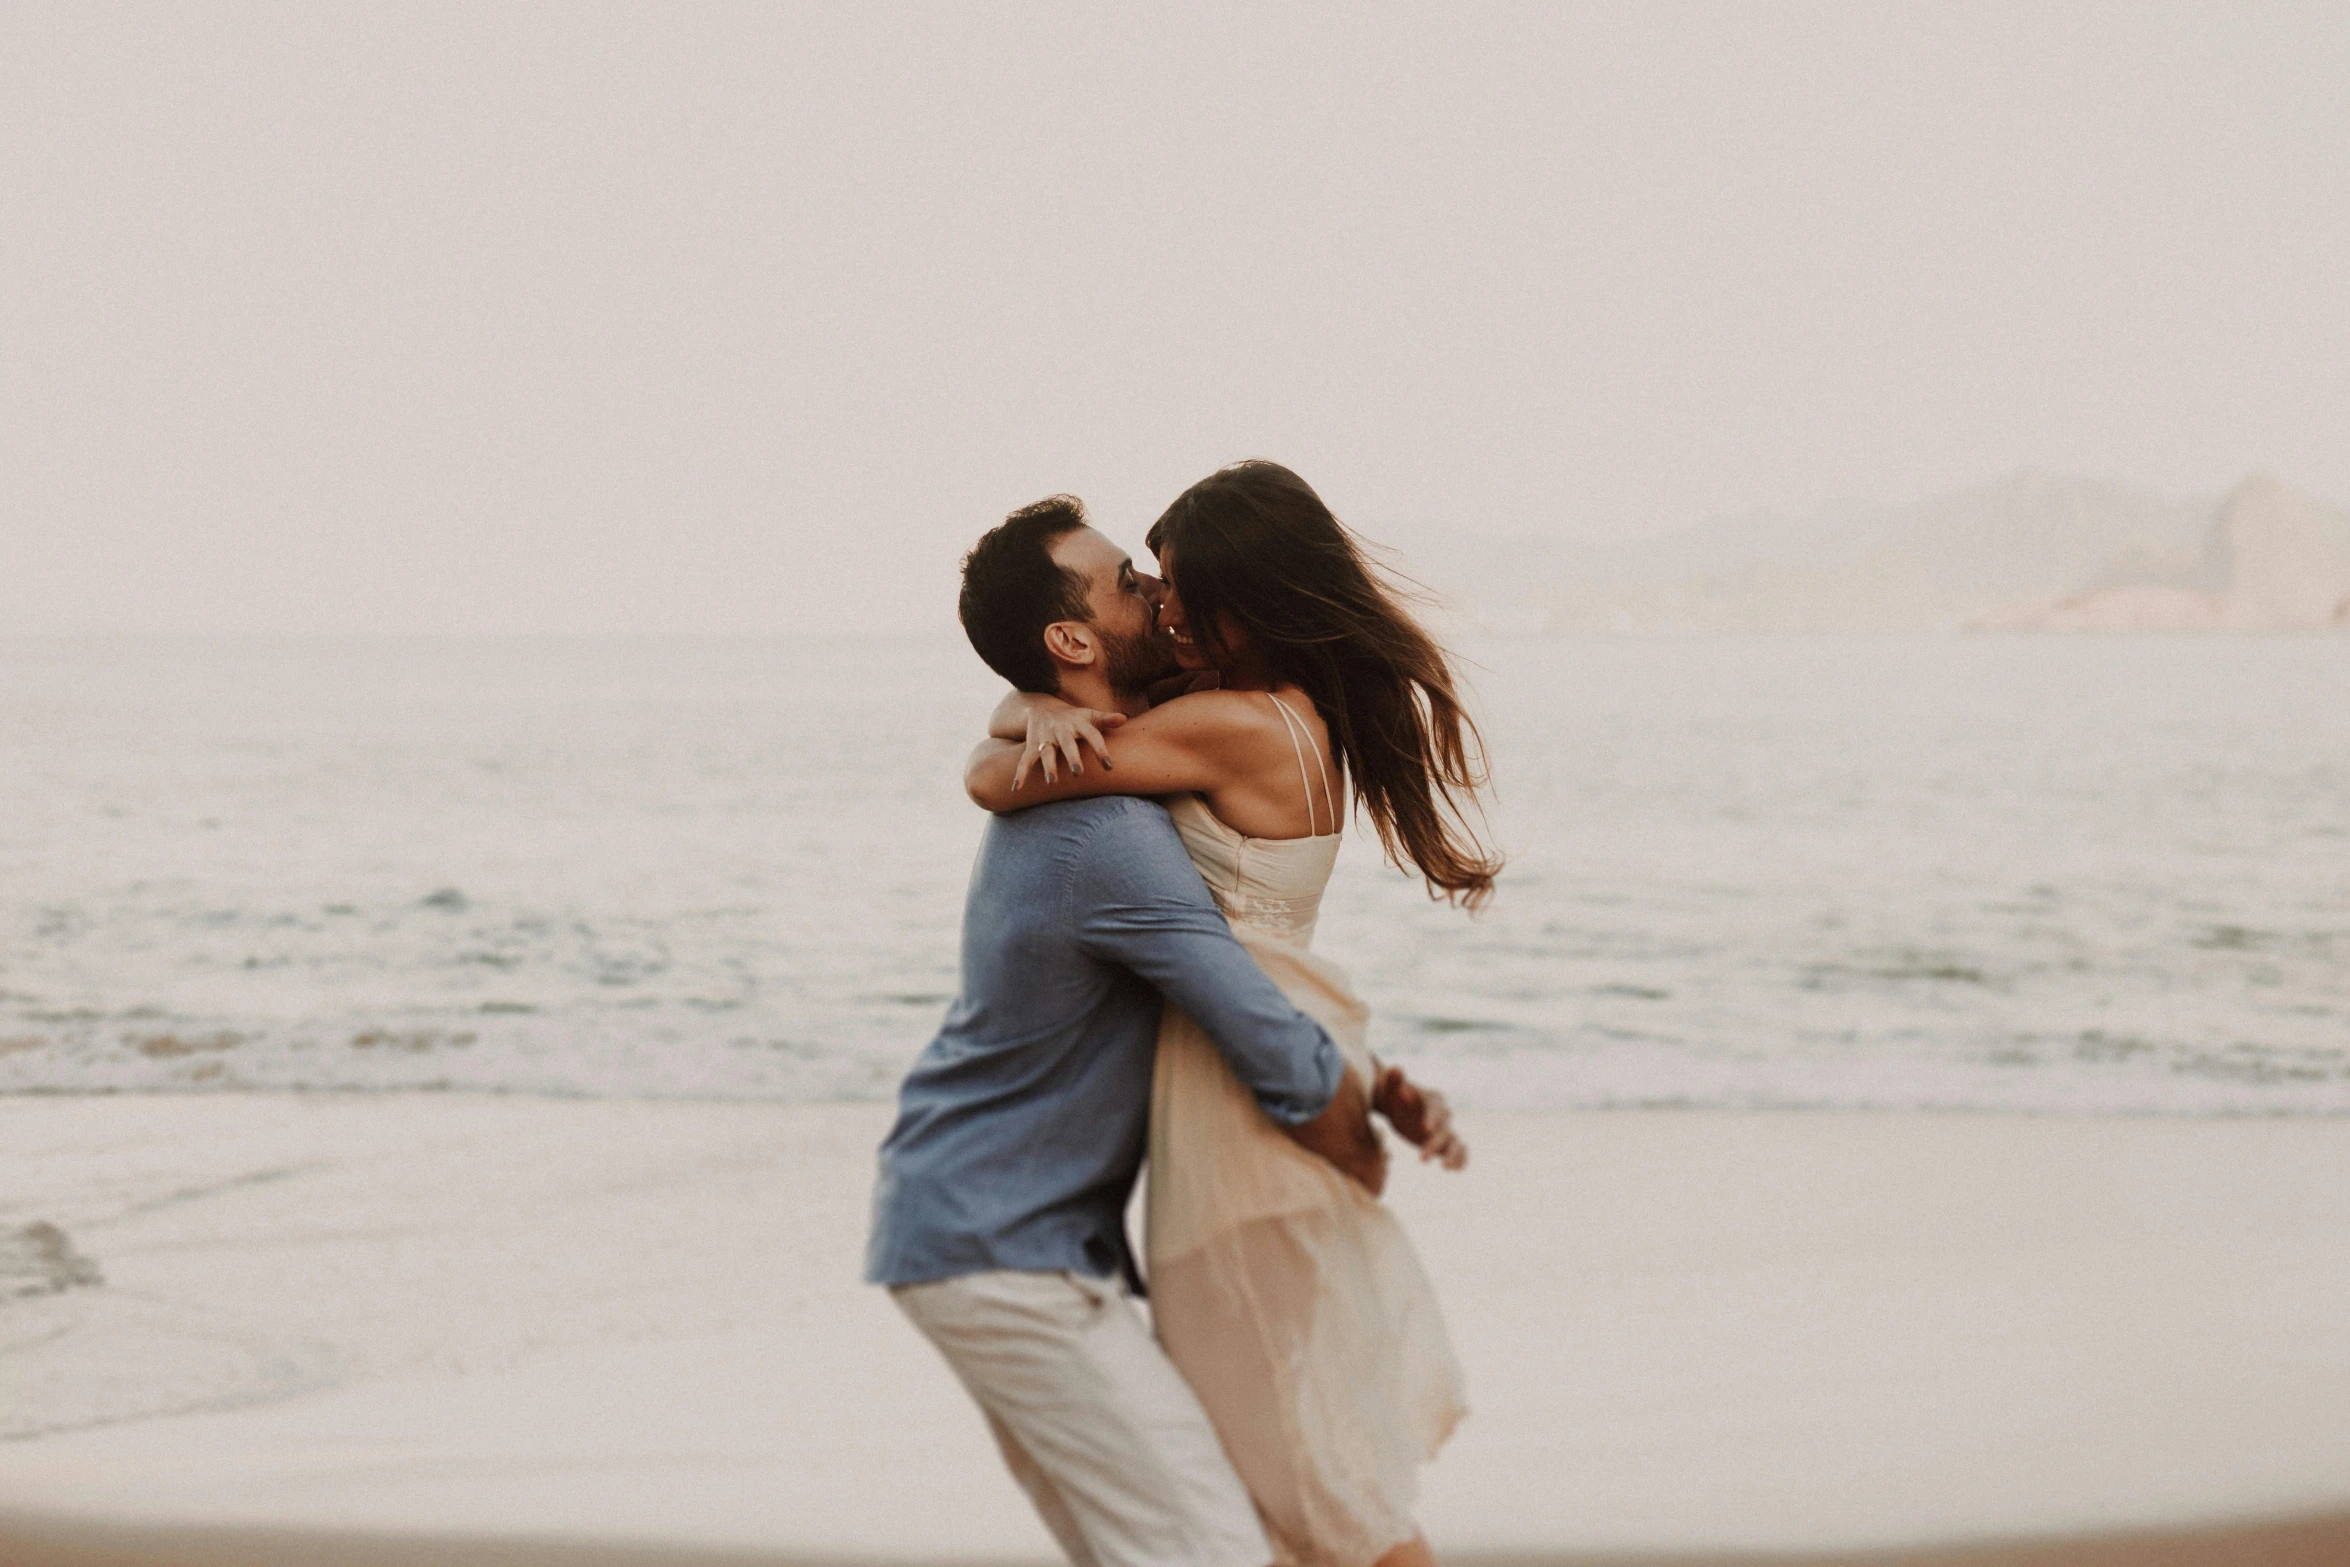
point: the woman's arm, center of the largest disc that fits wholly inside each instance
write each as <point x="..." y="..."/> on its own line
<point x="1184" y="745"/>
<point x="1009" y="721"/>
<point x="1131" y="764"/>
<point x="1049" y="729"/>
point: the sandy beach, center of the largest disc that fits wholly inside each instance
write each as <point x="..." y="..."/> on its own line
<point x="634" y="1332"/>
<point x="2318" y="1542"/>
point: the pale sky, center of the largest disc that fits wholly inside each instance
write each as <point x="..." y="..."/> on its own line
<point x="501" y="318"/>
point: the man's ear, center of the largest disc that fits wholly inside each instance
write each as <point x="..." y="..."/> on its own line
<point x="1071" y="642"/>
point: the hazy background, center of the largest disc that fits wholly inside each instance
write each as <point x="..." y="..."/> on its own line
<point x="338" y="969"/>
<point x="462" y="319"/>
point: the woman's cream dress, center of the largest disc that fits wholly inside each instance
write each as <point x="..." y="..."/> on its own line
<point x="1287" y="1295"/>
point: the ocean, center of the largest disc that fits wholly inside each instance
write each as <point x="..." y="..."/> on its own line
<point x="1998" y="873"/>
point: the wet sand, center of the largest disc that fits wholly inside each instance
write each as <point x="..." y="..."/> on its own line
<point x="363" y="1324"/>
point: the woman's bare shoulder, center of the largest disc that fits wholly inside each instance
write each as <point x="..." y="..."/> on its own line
<point x="1235" y="733"/>
<point x="1214" y="712"/>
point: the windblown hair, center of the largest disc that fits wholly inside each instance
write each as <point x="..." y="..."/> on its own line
<point x="1252" y="547"/>
<point x="1013" y="589"/>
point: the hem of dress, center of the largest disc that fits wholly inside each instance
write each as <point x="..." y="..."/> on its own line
<point x="1452" y="1423"/>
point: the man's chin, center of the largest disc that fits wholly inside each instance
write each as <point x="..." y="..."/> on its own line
<point x="1138" y="683"/>
<point x="1135" y="667"/>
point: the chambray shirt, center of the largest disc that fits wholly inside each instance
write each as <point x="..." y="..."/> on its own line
<point x="1022" y="1125"/>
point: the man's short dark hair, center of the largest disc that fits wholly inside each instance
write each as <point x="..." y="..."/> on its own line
<point x="1013" y="589"/>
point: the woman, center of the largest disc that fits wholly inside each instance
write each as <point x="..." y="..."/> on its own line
<point x="1285" y="1292"/>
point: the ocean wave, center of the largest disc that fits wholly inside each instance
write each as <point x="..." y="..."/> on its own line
<point x="1967" y="875"/>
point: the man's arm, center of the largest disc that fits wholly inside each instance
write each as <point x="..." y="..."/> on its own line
<point x="1139" y="903"/>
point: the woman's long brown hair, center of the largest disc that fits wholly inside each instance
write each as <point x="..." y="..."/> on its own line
<point x="1252" y="546"/>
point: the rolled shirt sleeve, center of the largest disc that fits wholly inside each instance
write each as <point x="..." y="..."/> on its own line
<point x="1137" y="901"/>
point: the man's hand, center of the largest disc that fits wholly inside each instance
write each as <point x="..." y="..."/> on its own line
<point x="1343" y="1134"/>
<point x="1420" y="1117"/>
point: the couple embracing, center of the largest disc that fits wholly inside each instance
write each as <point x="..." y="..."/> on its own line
<point x="1169" y="776"/>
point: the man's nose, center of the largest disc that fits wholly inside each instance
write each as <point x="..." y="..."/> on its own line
<point x="1153" y="590"/>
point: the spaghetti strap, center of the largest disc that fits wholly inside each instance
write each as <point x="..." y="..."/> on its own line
<point x="1296" y="727"/>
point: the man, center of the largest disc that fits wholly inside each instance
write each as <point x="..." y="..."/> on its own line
<point x="999" y="1215"/>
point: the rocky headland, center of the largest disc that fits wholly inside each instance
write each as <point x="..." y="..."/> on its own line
<point x="2274" y="561"/>
<point x="2032" y="552"/>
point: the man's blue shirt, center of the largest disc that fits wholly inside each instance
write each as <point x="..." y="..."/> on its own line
<point x="1022" y="1126"/>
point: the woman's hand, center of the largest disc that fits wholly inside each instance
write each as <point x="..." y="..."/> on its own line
<point x="1420" y="1117"/>
<point x="1054" y="732"/>
<point x="1157" y="753"/>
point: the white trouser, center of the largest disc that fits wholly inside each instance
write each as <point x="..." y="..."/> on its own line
<point x="1095" y="1422"/>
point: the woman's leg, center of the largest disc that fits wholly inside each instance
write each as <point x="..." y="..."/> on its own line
<point x="1413" y="1552"/>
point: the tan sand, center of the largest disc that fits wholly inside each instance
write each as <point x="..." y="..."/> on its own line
<point x="2317" y="1542"/>
<point x="463" y="1318"/>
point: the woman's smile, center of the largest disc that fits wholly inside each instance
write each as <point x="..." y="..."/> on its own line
<point x="1176" y="628"/>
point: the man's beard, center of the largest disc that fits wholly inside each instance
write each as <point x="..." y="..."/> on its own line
<point x="1130" y="664"/>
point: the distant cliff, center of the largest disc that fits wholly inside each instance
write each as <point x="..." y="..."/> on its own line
<point x="2035" y="551"/>
<point x="2275" y="560"/>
